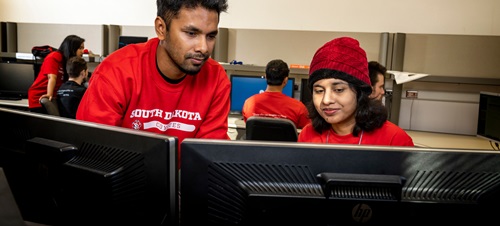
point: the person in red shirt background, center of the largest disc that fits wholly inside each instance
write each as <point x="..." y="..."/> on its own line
<point x="341" y="109"/>
<point x="273" y="103"/>
<point x="169" y="84"/>
<point x="53" y="72"/>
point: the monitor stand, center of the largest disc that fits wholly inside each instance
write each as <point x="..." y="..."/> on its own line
<point x="9" y="214"/>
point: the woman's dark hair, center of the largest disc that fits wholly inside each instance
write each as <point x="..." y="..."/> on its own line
<point x="168" y="9"/>
<point x="370" y="114"/>
<point x="68" y="49"/>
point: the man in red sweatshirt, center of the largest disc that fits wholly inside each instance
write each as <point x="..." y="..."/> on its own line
<point x="169" y="84"/>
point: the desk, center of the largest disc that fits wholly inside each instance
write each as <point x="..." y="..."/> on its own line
<point x="236" y="122"/>
<point x="17" y="104"/>
<point x="443" y="140"/>
<point x="425" y="139"/>
<point x="236" y="127"/>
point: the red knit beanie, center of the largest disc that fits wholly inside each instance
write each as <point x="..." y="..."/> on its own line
<point x="341" y="54"/>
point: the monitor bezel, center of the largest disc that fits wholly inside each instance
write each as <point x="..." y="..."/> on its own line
<point x="350" y="159"/>
<point x="124" y="40"/>
<point x="27" y="71"/>
<point x="480" y="131"/>
<point x="305" y="93"/>
<point x="154" y="149"/>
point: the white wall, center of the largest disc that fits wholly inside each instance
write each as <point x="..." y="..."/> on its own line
<point x="121" y="12"/>
<point x="444" y="112"/>
<point x="35" y="34"/>
<point x="475" y="17"/>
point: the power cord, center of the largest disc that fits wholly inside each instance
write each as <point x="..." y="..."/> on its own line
<point x="496" y="145"/>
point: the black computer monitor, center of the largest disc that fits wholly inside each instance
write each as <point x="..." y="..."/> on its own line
<point x="305" y="92"/>
<point x="283" y="183"/>
<point x="69" y="172"/>
<point x="15" y="80"/>
<point x="244" y="86"/>
<point x="488" y="122"/>
<point x="125" y="40"/>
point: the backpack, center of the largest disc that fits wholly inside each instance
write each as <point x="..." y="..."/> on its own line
<point x="42" y="51"/>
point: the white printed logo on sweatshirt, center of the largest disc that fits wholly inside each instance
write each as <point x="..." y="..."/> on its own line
<point x="160" y="114"/>
<point x="172" y="125"/>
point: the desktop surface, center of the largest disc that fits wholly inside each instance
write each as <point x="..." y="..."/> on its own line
<point x="17" y="103"/>
<point x="10" y="98"/>
<point x="420" y="138"/>
<point x="445" y="140"/>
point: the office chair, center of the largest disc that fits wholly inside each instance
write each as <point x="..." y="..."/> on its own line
<point x="50" y="106"/>
<point x="270" y="129"/>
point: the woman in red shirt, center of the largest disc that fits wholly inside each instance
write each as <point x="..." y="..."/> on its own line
<point x="341" y="109"/>
<point x="53" y="72"/>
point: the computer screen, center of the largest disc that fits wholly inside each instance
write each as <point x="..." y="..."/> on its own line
<point x="488" y="123"/>
<point x="69" y="172"/>
<point x="15" y="79"/>
<point x="282" y="183"/>
<point x="244" y="86"/>
<point x="125" y="40"/>
<point x="305" y="93"/>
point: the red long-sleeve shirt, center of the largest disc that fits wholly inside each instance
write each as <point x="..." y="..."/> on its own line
<point x="127" y="90"/>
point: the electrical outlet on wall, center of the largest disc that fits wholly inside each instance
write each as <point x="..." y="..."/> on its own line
<point x="411" y="94"/>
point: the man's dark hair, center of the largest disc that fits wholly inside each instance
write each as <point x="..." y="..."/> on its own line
<point x="75" y="66"/>
<point x="374" y="68"/>
<point x="276" y="71"/>
<point x="168" y="9"/>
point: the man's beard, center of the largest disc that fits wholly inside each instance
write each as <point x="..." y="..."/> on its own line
<point x="193" y="71"/>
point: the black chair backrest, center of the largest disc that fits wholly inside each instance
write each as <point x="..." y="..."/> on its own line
<point x="270" y="129"/>
<point x="50" y="106"/>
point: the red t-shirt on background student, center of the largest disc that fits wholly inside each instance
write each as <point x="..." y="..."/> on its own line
<point x="276" y="105"/>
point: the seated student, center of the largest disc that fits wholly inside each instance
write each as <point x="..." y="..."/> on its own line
<point x="341" y="109"/>
<point x="71" y="92"/>
<point x="273" y="103"/>
<point x="377" y="78"/>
